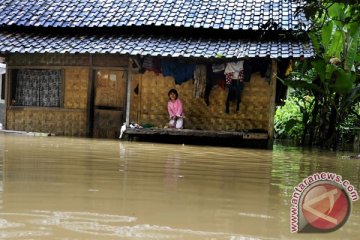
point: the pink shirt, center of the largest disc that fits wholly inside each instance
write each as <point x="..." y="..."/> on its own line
<point x="175" y="108"/>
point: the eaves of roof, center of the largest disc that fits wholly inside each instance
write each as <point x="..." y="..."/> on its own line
<point x="148" y="45"/>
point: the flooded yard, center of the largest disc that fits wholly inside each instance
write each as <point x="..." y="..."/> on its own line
<point x="75" y="188"/>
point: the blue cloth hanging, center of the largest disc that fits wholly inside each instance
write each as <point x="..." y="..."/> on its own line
<point x="182" y="72"/>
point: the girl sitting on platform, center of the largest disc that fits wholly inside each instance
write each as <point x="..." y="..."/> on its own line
<point x="175" y="110"/>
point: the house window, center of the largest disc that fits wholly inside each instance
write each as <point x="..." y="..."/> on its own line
<point x="38" y="88"/>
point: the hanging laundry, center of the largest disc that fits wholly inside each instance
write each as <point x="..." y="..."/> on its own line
<point x="229" y="77"/>
<point x="199" y="81"/>
<point x="182" y="72"/>
<point x="232" y="70"/>
<point x="214" y="76"/>
<point x="256" y="65"/>
<point x="218" y="67"/>
<point x="281" y="89"/>
<point x="235" y="89"/>
<point x="152" y="64"/>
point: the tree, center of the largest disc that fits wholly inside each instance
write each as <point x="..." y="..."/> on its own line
<point x="335" y="86"/>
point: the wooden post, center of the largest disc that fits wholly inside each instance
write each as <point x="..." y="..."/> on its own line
<point x="90" y="100"/>
<point x="272" y="102"/>
<point x="7" y="93"/>
<point x="128" y="91"/>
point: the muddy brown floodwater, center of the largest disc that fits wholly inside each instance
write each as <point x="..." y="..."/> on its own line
<point x="75" y="188"/>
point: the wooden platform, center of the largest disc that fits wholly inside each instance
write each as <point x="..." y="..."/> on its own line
<point x="194" y="133"/>
<point x="203" y="137"/>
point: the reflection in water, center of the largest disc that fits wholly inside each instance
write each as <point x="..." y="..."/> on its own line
<point x="172" y="170"/>
<point x="72" y="188"/>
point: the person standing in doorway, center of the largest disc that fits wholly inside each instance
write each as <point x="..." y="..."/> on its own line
<point x="175" y="109"/>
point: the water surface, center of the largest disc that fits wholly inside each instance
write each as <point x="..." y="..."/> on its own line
<point x="75" y="188"/>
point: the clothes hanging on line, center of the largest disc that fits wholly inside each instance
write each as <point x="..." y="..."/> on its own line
<point x="181" y="72"/>
<point x="152" y="64"/>
<point x="214" y="76"/>
<point x="232" y="70"/>
<point x="235" y="89"/>
<point x="263" y="66"/>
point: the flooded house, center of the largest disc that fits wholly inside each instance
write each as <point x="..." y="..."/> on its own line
<point x="83" y="68"/>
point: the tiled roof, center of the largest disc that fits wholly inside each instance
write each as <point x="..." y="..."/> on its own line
<point x="219" y="14"/>
<point x="151" y="45"/>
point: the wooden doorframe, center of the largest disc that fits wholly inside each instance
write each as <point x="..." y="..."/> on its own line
<point x="91" y="93"/>
<point x="99" y="107"/>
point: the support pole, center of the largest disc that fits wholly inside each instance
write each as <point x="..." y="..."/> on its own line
<point x="128" y="92"/>
<point x="90" y="100"/>
<point x="272" y="102"/>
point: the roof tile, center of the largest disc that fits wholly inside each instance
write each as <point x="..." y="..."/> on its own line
<point x="206" y="14"/>
<point x="150" y="45"/>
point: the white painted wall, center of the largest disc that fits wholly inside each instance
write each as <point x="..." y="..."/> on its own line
<point x="2" y="68"/>
<point x="2" y="71"/>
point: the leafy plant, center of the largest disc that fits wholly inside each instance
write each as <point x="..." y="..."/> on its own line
<point x="291" y="119"/>
<point x="332" y="77"/>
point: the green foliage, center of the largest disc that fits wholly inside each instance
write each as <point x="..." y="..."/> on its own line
<point x="288" y="121"/>
<point x="289" y="118"/>
<point x="349" y="124"/>
<point x="331" y="78"/>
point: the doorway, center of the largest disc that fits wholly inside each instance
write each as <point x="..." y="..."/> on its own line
<point x="109" y="103"/>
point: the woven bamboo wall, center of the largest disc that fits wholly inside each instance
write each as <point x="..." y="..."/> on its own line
<point x="76" y="88"/>
<point x="150" y="106"/>
<point x="48" y="60"/>
<point x="68" y="121"/>
<point x="109" y="60"/>
<point x="58" y="121"/>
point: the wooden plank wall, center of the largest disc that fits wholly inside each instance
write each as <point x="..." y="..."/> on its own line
<point x="110" y="93"/>
<point x="150" y="105"/>
<point x="110" y="87"/>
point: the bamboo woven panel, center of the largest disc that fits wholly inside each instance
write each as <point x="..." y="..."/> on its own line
<point x="60" y="122"/>
<point x="76" y="88"/>
<point x="10" y="119"/>
<point x="158" y="121"/>
<point x="109" y="60"/>
<point x="48" y="60"/>
<point x="32" y="122"/>
<point x="253" y="113"/>
<point x="110" y="88"/>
